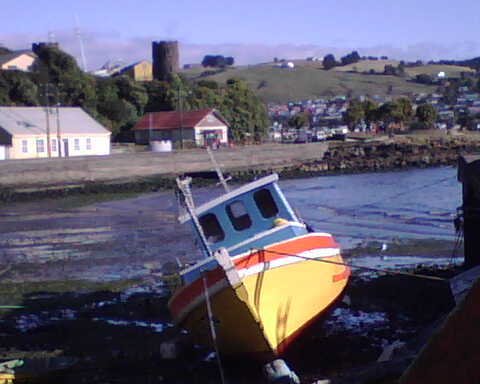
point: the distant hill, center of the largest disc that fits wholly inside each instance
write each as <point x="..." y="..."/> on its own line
<point x="307" y="81"/>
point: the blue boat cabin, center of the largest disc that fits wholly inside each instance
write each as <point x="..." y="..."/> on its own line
<point x="249" y="217"/>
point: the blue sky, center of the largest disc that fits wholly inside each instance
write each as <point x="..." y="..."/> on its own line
<point x="250" y="30"/>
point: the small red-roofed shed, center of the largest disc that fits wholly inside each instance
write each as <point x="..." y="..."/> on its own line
<point x="205" y="127"/>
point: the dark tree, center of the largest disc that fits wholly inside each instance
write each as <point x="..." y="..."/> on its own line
<point x="329" y="62"/>
<point x="426" y="114"/>
<point x="390" y="70"/>
<point x="217" y="61"/>
<point x="423" y="78"/>
<point x="355" y="113"/>
<point x="351" y="58"/>
<point x="4" y="50"/>
<point x="299" y="120"/>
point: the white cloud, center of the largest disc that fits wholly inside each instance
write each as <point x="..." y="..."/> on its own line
<point x="99" y="48"/>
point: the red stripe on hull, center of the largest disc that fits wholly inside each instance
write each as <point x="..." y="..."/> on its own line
<point x="188" y="293"/>
<point x="345" y="274"/>
<point x="293" y="247"/>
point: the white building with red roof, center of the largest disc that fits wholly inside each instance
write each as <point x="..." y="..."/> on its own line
<point x="203" y="127"/>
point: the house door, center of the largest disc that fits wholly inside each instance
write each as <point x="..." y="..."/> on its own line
<point x="65" y="148"/>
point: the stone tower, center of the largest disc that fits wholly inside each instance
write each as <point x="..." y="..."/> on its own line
<point x="165" y="59"/>
<point x="36" y="47"/>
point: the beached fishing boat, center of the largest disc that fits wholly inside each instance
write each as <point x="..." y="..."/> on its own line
<point x="265" y="276"/>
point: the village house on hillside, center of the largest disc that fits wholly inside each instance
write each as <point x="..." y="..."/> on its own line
<point x="24" y="133"/>
<point x="140" y="71"/>
<point x="204" y="127"/>
<point x="18" y="61"/>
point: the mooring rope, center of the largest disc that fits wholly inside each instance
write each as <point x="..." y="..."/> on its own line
<point x="372" y="269"/>
<point x="212" y="329"/>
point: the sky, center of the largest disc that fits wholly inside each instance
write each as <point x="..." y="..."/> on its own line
<point x="251" y="31"/>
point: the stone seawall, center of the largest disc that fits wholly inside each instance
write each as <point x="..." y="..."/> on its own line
<point x="375" y="157"/>
<point x="347" y="157"/>
<point x="386" y="156"/>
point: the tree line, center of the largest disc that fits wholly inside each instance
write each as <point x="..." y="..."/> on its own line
<point x="119" y="102"/>
<point x="397" y="113"/>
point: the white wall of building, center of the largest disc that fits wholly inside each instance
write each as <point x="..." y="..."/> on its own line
<point x="3" y="152"/>
<point x="31" y="147"/>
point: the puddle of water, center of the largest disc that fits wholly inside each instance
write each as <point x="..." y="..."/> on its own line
<point x="354" y="321"/>
<point x="156" y="327"/>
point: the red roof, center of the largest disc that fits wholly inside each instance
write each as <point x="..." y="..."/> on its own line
<point x="175" y="119"/>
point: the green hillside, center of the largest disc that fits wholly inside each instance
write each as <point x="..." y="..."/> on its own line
<point x="275" y="84"/>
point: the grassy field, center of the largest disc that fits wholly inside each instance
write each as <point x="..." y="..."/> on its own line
<point x="367" y="65"/>
<point x="379" y="65"/>
<point x="450" y="70"/>
<point x="309" y="82"/>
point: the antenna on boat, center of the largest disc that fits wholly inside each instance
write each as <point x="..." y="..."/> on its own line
<point x="223" y="181"/>
<point x="184" y="187"/>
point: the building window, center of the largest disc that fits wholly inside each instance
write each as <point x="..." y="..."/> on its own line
<point x="89" y="144"/>
<point x="76" y="144"/>
<point x="25" y="146"/>
<point x="238" y="215"/>
<point x="265" y="203"/>
<point x="211" y="228"/>
<point x="40" y="146"/>
<point x="54" y="145"/>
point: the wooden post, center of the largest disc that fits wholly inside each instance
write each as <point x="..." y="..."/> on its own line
<point x="469" y="176"/>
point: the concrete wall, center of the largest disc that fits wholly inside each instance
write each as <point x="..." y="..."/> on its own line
<point x="25" y="147"/>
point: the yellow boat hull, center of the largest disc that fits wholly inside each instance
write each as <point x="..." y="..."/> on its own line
<point x="267" y="308"/>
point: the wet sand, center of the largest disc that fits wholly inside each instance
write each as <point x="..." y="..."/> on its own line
<point x="104" y="241"/>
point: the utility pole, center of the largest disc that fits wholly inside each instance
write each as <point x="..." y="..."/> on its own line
<point x="59" y="139"/>
<point x="47" y="115"/>
<point x="180" y="108"/>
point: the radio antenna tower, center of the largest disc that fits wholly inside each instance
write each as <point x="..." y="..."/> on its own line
<point x="51" y="37"/>
<point x="80" y="41"/>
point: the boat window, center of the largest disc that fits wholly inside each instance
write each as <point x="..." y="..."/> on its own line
<point x="211" y="228"/>
<point x="239" y="216"/>
<point x="265" y="203"/>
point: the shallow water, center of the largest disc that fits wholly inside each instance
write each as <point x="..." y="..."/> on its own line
<point x="129" y="238"/>
<point x="387" y="206"/>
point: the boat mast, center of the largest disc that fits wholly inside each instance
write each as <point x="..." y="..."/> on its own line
<point x="184" y="187"/>
<point x="223" y="181"/>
